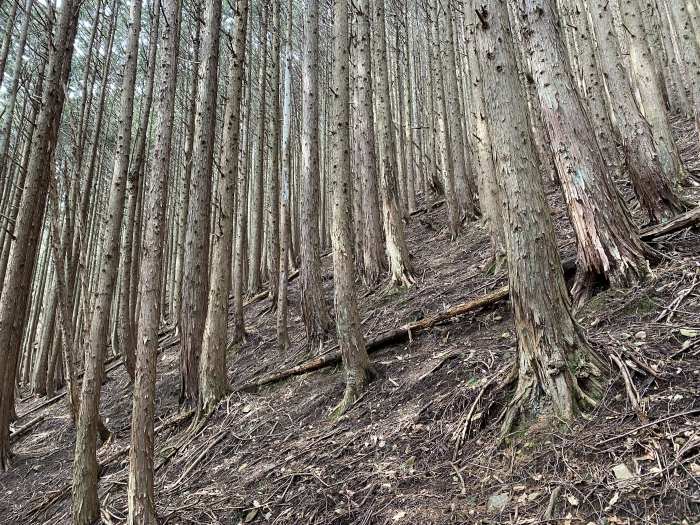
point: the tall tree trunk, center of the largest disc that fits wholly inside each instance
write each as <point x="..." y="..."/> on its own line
<point x="273" y="173"/>
<point x="141" y="498"/>
<point x="282" y="335"/>
<point x="400" y="268"/>
<point x="9" y="108"/>
<point x="550" y="343"/>
<point x="28" y="221"/>
<point x="608" y="245"/>
<point x="7" y="39"/>
<point x="648" y="83"/>
<point x="373" y="259"/>
<point x="42" y="362"/>
<point x="489" y="194"/>
<point x="241" y="248"/>
<point x="315" y="311"/>
<point x="196" y="263"/>
<point x="350" y="338"/>
<point x="125" y="319"/>
<point x="85" y="467"/>
<point x="650" y="181"/>
<point x="184" y="197"/>
<point x="444" y="141"/>
<point x="464" y="177"/>
<point x="256" y="189"/>
<point x="410" y="119"/>
<point x="690" y="49"/>
<point x="212" y="374"/>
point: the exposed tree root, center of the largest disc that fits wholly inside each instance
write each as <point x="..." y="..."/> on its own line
<point x="566" y="389"/>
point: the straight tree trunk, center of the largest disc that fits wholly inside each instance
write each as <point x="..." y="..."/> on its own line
<point x="141" y="498"/>
<point x="690" y="49"/>
<point x="651" y="183"/>
<point x="676" y="73"/>
<point x="196" y="262"/>
<point x="85" y="467"/>
<point x="489" y="193"/>
<point x="648" y="83"/>
<point x="608" y="245"/>
<point x="212" y="373"/>
<point x="400" y="268"/>
<point x="9" y="108"/>
<point x="410" y="119"/>
<point x="444" y="141"/>
<point x="42" y="362"/>
<point x="125" y="319"/>
<point x="13" y="301"/>
<point x="184" y="199"/>
<point x="241" y="242"/>
<point x="282" y="334"/>
<point x="549" y="339"/>
<point x="464" y="184"/>
<point x="273" y="173"/>
<point x="7" y="39"/>
<point x="314" y="309"/>
<point x="256" y="211"/>
<point x="350" y="338"/>
<point x="373" y="259"/>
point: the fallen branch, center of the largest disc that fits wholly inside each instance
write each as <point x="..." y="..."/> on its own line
<point x="684" y="220"/>
<point x="113" y="363"/>
<point x="26" y="427"/>
<point x="396" y="335"/>
<point x="427" y="208"/>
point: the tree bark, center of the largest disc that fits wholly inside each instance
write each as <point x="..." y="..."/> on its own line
<point x="314" y="308"/>
<point x="350" y="339"/>
<point x="651" y="183"/>
<point x="608" y="245"/>
<point x="125" y="318"/>
<point x="196" y="262"/>
<point x="212" y="373"/>
<point x="557" y="370"/>
<point x="365" y="168"/>
<point x="282" y="334"/>
<point x="256" y="189"/>
<point x="489" y="194"/>
<point x="648" y="83"/>
<point x="400" y="268"/>
<point x="85" y="468"/>
<point x="141" y="498"/>
<point x="27" y="223"/>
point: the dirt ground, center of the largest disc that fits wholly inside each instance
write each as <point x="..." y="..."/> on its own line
<point x="420" y="446"/>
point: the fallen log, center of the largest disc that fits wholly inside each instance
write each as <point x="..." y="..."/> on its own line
<point x="111" y="364"/>
<point x="20" y="431"/>
<point x="684" y="220"/>
<point x="396" y="335"/>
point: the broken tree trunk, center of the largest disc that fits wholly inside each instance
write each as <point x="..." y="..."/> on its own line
<point x="389" y="337"/>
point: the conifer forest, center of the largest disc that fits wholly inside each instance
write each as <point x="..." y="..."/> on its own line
<point x="350" y="262"/>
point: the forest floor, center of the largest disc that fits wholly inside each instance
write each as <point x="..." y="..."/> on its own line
<point x="420" y="446"/>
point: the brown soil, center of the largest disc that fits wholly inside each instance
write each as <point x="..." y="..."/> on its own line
<point x="407" y="451"/>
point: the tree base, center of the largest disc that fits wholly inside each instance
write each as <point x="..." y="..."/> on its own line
<point x="353" y="392"/>
<point x="570" y="389"/>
